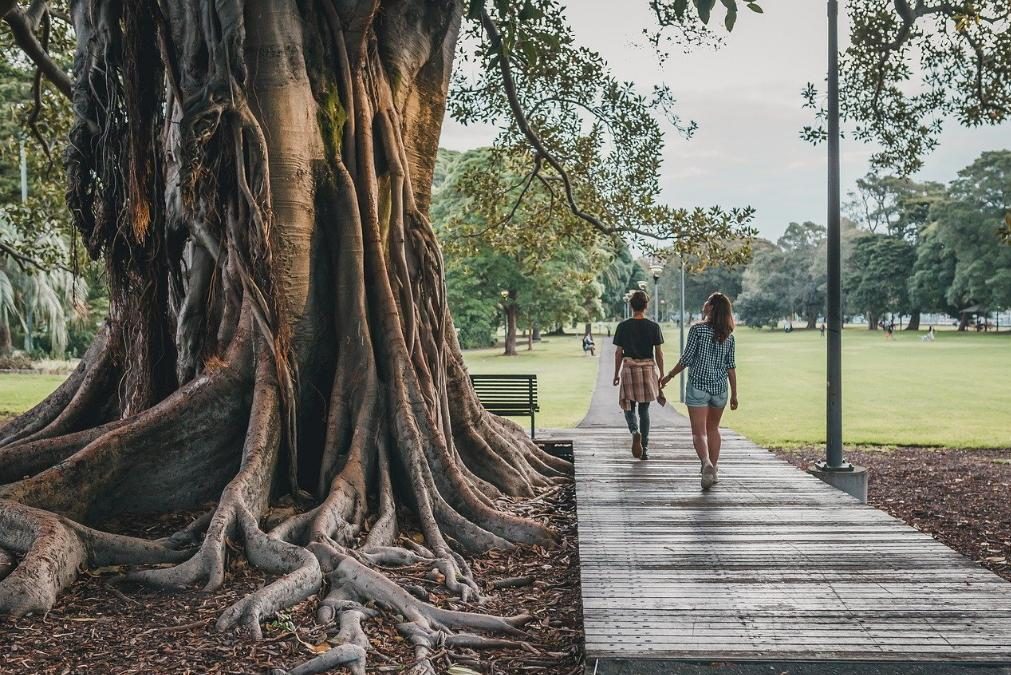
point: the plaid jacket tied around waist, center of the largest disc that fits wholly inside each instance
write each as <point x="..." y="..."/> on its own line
<point x="639" y="383"/>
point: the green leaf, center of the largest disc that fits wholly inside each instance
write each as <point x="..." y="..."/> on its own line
<point x="755" y="8"/>
<point x="679" y="7"/>
<point x="730" y="20"/>
<point x="530" y="12"/>
<point x="474" y="9"/>
<point x="705" y="9"/>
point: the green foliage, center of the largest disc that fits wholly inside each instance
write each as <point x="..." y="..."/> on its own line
<point x="40" y="119"/>
<point x="876" y="280"/>
<point x="532" y="248"/>
<point x="571" y="129"/>
<point x="911" y="64"/>
<point x="766" y="284"/>
<point x="968" y="228"/>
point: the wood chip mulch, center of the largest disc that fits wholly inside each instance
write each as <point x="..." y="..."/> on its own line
<point x="960" y="497"/>
<point x="101" y="626"/>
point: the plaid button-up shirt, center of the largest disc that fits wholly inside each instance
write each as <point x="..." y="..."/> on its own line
<point x="708" y="360"/>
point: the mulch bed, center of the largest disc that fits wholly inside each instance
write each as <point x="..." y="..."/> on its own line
<point x="960" y="497"/>
<point x="99" y="626"/>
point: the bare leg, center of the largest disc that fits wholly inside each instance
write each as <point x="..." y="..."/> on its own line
<point x="713" y="434"/>
<point x="698" y="416"/>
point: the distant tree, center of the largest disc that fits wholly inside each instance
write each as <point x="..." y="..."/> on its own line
<point x="801" y="245"/>
<point x="968" y="227"/>
<point x="875" y="280"/>
<point x="933" y="273"/>
<point x="766" y="289"/>
<point x="900" y="207"/>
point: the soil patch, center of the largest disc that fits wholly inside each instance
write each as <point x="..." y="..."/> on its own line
<point x="960" y="497"/>
<point x="99" y="626"/>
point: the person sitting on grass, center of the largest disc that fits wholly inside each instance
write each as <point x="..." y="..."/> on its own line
<point x="639" y="361"/>
<point x="709" y="358"/>
<point x="588" y="345"/>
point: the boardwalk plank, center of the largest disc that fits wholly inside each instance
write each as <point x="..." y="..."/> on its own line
<point x="769" y="564"/>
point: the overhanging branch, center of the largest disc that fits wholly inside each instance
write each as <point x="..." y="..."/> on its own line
<point x="22" y="25"/>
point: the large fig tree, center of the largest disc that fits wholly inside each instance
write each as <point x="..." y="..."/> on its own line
<point x="256" y="176"/>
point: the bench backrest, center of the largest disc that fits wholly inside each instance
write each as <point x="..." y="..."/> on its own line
<point x="505" y="394"/>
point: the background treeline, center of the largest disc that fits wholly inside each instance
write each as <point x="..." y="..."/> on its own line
<point x="909" y="248"/>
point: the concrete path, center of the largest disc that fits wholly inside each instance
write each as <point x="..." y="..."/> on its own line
<point x="604" y="411"/>
<point x="771" y="571"/>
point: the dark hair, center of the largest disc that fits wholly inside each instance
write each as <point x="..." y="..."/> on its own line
<point x="720" y="316"/>
<point x="639" y="300"/>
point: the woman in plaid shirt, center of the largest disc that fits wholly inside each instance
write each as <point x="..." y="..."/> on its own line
<point x="709" y="358"/>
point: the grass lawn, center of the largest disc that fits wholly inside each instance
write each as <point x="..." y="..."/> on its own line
<point x="565" y="377"/>
<point x="19" y="392"/>
<point x="954" y="392"/>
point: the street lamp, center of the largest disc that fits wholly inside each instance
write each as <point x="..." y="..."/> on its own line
<point x="505" y="310"/>
<point x="681" y="379"/>
<point x="833" y="405"/>
<point x="656" y="270"/>
<point x="628" y="297"/>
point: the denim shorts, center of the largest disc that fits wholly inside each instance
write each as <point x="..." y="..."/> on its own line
<point x="696" y="398"/>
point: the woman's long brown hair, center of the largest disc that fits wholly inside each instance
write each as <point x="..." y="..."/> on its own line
<point x="720" y="317"/>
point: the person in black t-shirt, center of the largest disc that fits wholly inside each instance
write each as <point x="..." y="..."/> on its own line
<point x="638" y="363"/>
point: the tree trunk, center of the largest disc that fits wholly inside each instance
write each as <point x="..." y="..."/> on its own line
<point x="914" y="320"/>
<point x="511" y="312"/>
<point x="535" y="333"/>
<point x="6" y="345"/>
<point x="257" y="177"/>
<point x="963" y="322"/>
<point x="29" y="330"/>
<point x="872" y="321"/>
<point x="530" y="339"/>
<point x="812" y="319"/>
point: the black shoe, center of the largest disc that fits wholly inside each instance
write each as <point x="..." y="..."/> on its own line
<point x="645" y="453"/>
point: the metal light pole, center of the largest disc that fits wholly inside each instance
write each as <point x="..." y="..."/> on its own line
<point x="681" y="382"/>
<point x="833" y="409"/>
<point x="656" y="270"/>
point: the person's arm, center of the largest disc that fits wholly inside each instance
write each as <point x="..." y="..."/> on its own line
<point x="732" y="372"/>
<point x="619" y="354"/>
<point x="672" y="374"/>
<point x="687" y="357"/>
<point x="658" y="355"/>
<point x="732" y="376"/>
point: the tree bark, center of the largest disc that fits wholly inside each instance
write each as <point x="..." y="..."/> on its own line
<point x="914" y="320"/>
<point x="257" y="176"/>
<point x="872" y="321"/>
<point x="511" y="315"/>
<point x="6" y="345"/>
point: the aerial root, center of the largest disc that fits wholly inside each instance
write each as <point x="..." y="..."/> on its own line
<point x="353" y="585"/>
<point x="53" y="549"/>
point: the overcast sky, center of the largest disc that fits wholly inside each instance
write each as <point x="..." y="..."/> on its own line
<point x="746" y="100"/>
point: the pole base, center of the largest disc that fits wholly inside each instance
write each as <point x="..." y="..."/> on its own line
<point x="852" y="480"/>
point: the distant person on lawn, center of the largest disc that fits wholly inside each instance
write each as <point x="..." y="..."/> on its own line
<point x="589" y="345"/>
<point x="638" y="363"/>
<point x="709" y="358"/>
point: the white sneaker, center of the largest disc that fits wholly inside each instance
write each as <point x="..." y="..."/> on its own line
<point x="708" y="476"/>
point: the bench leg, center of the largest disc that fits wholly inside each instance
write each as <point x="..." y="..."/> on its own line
<point x="533" y="433"/>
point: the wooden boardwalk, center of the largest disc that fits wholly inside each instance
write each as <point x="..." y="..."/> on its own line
<point x="771" y="564"/>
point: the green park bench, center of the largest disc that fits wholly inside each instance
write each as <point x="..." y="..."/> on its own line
<point x="508" y="395"/>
